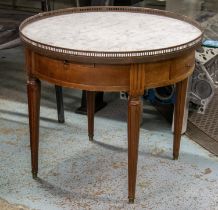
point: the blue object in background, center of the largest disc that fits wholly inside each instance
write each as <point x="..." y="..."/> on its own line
<point x="210" y="43"/>
<point x="162" y="95"/>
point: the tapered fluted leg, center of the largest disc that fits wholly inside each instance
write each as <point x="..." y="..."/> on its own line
<point x="90" y="113"/>
<point x="134" y="112"/>
<point x="60" y="104"/>
<point x="181" y="88"/>
<point x="33" y="91"/>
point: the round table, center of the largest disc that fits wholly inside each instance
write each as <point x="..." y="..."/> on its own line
<point x="110" y="49"/>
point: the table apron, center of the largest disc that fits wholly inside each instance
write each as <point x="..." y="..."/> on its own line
<point x="109" y="77"/>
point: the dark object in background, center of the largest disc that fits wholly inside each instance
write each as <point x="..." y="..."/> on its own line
<point x="45" y="4"/>
<point x="113" y="2"/>
<point x="8" y="33"/>
<point x="60" y="104"/>
<point x="122" y="2"/>
<point x="99" y="102"/>
<point x="83" y="3"/>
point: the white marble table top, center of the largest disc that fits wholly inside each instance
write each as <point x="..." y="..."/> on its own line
<point x="111" y="31"/>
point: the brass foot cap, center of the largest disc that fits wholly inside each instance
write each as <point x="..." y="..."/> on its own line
<point x="34" y="174"/>
<point x="131" y="200"/>
<point x="175" y="157"/>
<point x="91" y="138"/>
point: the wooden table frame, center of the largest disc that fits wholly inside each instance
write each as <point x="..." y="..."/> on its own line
<point x="135" y="79"/>
<point x="93" y="71"/>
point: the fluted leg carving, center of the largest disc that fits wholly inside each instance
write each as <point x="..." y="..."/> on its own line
<point x="181" y="88"/>
<point x="33" y="91"/>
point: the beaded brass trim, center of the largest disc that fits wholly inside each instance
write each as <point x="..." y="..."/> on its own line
<point x="108" y="57"/>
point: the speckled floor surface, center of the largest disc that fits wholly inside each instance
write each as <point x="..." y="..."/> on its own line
<point x="76" y="174"/>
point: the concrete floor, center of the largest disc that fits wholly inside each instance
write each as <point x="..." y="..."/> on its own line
<point x="77" y="174"/>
